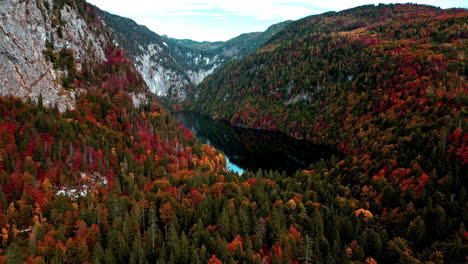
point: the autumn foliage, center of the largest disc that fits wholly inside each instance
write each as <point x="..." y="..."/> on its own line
<point x="117" y="180"/>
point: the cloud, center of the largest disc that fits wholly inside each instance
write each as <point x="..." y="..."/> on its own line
<point x="224" y="19"/>
<point x="259" y="9"/>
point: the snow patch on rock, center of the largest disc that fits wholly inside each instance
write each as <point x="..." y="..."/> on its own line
<point x="87" y="184"/>
<point x="300" y="97"/>
<point x="138" y="99"/>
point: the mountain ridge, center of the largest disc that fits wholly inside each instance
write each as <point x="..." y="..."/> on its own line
<point x="170" y="67"/>
<point x="113" y="178"/>
<point x="280" y="45"/>
<point x="162" y="64"/>
<point x="385" y="84"/>
<point x="239" y="46"/>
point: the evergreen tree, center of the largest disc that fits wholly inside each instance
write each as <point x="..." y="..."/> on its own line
<point x="13" y="254"/>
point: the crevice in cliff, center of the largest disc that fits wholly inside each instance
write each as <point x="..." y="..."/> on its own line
<point x="22" y="82"/>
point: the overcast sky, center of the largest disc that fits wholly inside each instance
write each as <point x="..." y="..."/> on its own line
<point x="224" y="19"/>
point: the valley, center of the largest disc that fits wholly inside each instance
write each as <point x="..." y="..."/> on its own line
<point x="172" y="67"/>
<point x="253" y="149"/>
<point x="335" y="138"/>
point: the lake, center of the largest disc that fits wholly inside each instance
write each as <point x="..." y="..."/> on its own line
<point x="253" y="149"/>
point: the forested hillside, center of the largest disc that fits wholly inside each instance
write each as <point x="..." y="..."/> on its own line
<point x="239" y="46"/>
<point x="387" y="85"/>
<point x="70" y="181"/>
<point x="368" y="51"/>
<point x="172" y="67"/>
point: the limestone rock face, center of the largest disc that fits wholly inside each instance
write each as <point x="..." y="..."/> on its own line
<point x="173" y="82"/>
<point x="169" y="69"/>
<point x="25" y="26"/>
<point x="172" y="68"/>
<point x="162" y="81"/>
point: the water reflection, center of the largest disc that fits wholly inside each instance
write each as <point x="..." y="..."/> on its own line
<point x="251" y="149"/>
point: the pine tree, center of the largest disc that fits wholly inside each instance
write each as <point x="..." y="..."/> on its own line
<point x="308" y="253"/>
<point x="98" y="253"/>
<point x="13" y="254"/>
<point x="277" y="224"/>
<point x="316" y="224"/>
<point x="224" y="223"/>
<point x="109" y="257"/>
<point x="137" y="255"/>
<point x="118" y="246"/>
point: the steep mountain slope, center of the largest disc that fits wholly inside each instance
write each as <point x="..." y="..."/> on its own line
<point x="303" y="71"/>
<point x="26" y="27"/>
<point x="169" y="69"/>
<point x="173" y="67"/>
<point x="117" y="180"/>
<point x="110" y="140"/>
<point x="386" y="84"/>
<point x="237" y="47"/>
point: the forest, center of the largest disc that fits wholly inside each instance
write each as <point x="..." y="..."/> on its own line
<point x="112" y="181"/>
<point x="385" y="84"/>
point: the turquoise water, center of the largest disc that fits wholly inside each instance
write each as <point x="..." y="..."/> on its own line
<point x="233" y="167"/>
<point x="251" y="149"/>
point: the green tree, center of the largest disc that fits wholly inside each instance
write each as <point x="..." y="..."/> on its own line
<point x="13" y="254"/>
<point x="308" y="252"/>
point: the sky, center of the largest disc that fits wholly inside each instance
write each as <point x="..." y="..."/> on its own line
<point x="213" y="20"/>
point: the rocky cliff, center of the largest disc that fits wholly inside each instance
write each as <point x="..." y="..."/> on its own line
<point x="26" y="27"/>
<point x="168" y="68"/>
<point x="173" y="67"/>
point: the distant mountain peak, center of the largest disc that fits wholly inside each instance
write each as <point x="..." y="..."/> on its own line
<point x="173" y="67"/>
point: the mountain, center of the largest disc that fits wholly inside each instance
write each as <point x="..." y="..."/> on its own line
<point x="239" y="46"/>
<point x="298" y="77"/>
<point x="172" y="67"/>
<point x="26" y="28"/>
<point x="169" y="69"/>
<point x="94" y="170"/>
<point x="80" y="135"/>
<point x="385" y="84"/>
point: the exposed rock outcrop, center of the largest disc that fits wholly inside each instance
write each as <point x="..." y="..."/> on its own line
<point x="25" y="27"/>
